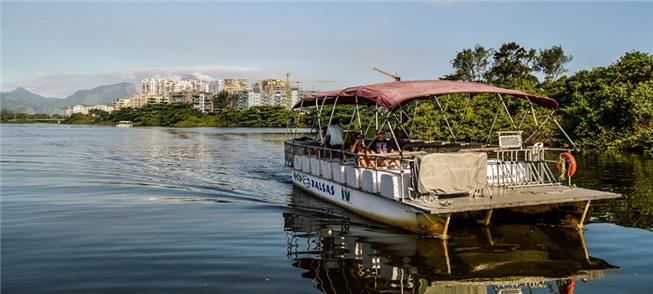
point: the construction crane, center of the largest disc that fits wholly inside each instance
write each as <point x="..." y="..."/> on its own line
<point x="387" y="73"/>
<point x="289" y="87"/>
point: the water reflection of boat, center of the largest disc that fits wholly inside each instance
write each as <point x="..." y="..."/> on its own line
<point x="346" y="254"/>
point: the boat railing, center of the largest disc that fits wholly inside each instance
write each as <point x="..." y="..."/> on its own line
<point x="395" y="166"/>
<point x="376" y="161"/>
<point x="520" y="167"/>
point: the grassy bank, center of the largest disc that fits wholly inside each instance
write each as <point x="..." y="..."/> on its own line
<point x="25" y="118"/>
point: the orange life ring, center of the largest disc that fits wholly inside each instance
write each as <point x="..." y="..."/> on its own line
<point x="570" y="162"/>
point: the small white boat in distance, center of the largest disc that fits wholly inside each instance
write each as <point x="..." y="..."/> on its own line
<point x="124" y="124"/>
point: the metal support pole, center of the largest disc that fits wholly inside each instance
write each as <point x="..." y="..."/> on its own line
<point x="400" y="125"/>
<point x="333" y="110"/>
<point x="532" y="111"/>
<point x="351" y="120"/>
<point x="393" y="134"/>
<point x="301" y="108"/>
<point x="446" y="228"/>
<point x="371" y="120"/>
<point x="319" y="114"/>
<point x="540" y="126"/>
<point x="489" y="134"/>
<point x="358" y="113"/>
<point x="523" y="118"/>
<point x="446" y="255"/>
<point x="376" y="116"/>
<point x="445" y="117"/>
<point x="582" y="243"/>
<point x="488" y="216"/>
<point x="565" y="133"/>
<point x="583" y="216"/>
<point x="412" y="120"/>
<point x="507" y="112"/>
<point x="462" y="118"/>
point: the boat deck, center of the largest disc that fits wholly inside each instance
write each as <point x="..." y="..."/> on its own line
<point x="512" y="197"/>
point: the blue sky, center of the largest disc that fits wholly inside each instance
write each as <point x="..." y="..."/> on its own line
<point x="55" y="48"/>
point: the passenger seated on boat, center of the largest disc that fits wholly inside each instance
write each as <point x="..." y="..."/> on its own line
<point x="335" y="137"/>
<point x="359" y="150"/>
<point x="382" y="146"/>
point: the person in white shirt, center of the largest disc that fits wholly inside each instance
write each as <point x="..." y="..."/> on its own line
<point x="335" y="135"/>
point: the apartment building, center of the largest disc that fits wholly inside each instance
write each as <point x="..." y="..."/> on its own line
<point x="167" y="87"/>
<point x="234" y="85"/>
<point x="139" y="100"/>
<point x="202" y="101"/>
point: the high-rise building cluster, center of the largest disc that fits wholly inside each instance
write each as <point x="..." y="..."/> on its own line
<point x="203" y="94"/>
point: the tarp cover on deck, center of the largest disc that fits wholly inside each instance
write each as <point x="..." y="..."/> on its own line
<point x="445" y="173"/>
<point x="391" y="95"/>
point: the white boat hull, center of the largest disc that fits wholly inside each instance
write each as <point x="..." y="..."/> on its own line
<point x="372" y="206"/>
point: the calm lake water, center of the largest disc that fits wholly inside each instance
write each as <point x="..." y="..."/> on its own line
<point x="206" y="210"/>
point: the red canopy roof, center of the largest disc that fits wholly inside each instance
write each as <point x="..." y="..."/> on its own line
<point x="391" y="95"/>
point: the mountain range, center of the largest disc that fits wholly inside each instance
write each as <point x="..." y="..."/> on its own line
<point x="24" y="101"/>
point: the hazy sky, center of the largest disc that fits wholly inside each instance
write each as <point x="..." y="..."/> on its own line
<point x="55" y="48"/>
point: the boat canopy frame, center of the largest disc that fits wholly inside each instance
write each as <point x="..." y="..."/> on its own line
<point x="390" y="110"/>
<point x="394" y="94"/>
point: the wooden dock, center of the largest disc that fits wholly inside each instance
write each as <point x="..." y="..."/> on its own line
<point x="512" y="197"/>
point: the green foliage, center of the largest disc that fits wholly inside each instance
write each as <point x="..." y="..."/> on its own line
<point x="165" y="115"/>
<point x="510" y="66"/>
<point x="471" y="64"/>
<point x="606" y="107"/>
<point x="224" y="100"/>
<point x="611" y="107"/>
<point x="257" y="116"/>
<point x="552" y="62"/>
<point x="80" y="119"/>
<point x="470" y="118"/>
<point x="513" y="67"/>
<point x="183" y="115"/>
<point x="7" y="116"/>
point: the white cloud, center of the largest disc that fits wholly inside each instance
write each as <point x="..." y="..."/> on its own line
<point x="64" y="84"/>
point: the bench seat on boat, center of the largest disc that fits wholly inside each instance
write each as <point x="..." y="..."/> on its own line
<point x="352" y="175"/>
<point x="297" y="162"/>
<point x="369" y="180"/>
<point x="315" y="166"/>
<point x="325" y="169"/>
<point x="306" y="164"/>
<point x="389" y="185"/>
<point x="338" y="170"/>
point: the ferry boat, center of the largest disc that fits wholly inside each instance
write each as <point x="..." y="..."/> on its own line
<point x="124" y="124"/>
<point x="431" y="183"/>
